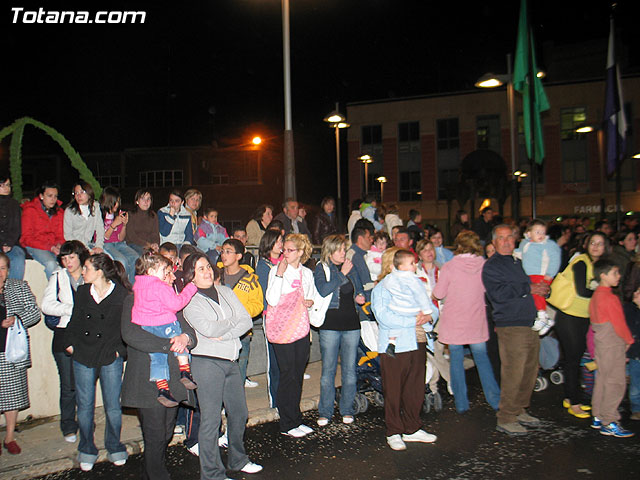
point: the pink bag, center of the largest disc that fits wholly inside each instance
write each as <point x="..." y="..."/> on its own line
<point x="288" y="321"/>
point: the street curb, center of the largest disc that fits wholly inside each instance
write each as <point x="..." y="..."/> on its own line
<point x="26" y="472"/>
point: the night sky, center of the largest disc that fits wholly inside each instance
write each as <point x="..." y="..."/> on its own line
<point x="110" y="87"/>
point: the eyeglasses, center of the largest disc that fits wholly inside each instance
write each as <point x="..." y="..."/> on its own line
<point x="79" y="192"/>
<point x="596" y="244"/>
<point x="291" y="250"/>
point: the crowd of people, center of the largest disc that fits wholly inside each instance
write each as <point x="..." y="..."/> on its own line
<point x="160" y="306"/>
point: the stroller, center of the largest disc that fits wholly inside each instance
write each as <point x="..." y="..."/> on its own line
<point x="368" y="375"/>
<point x="549" y="358"/>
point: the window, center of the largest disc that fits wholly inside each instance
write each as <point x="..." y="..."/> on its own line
<point x="109" y="180"/>
<point x="371" y="144"/>
<point x="161" y="178"/>
<point x="575" y="163"/>
<point x="409" y="161"/>
<point x="488" y="134"/>
<point x="448" y="143"/>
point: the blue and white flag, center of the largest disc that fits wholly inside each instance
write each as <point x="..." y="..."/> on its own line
<point x="614" y="119"/>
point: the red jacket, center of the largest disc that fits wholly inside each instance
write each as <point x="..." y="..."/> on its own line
<point x="38" y="230"/>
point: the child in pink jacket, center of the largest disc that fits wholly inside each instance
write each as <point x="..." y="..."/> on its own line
<point x="155" y="305"/>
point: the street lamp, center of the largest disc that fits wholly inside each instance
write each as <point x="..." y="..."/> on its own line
<point x="366" y="159"/>
<point x="337" y="120"/>
<point x="382" y="181"/>
<point x="256" y="141"/>
<point x="489" y="80"/>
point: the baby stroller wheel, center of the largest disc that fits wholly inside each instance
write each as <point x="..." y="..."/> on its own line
<point x="361" y="403"/>
<point x="541" y="384"/>
<point x="557" y="377"/>
<point x="378" y="399"/>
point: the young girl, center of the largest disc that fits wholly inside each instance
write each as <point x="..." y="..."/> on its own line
<point x="154" y="307"/>
<point x="210" y="234"/>
<point x="115" y="231"/>
<point x="83" y="220"/>
<point x="373" y="258"/>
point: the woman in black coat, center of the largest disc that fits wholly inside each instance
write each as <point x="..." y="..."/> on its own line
<point x="325" y="222"/>
<point x="156" y="420"/>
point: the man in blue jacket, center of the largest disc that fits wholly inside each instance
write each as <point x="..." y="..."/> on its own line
<point x="509" y="292"/>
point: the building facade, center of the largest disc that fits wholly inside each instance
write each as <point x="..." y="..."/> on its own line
<point x="419" y="145"/>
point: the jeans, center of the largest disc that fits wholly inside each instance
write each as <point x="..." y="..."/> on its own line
<point x="45" y="258"/>
<point x="332" y="344"/>
<point x="68" y="423"/>
<point x="219" y="384"/>
<point x="159" y="366"/>
<point x="485" y="371"/>
<point x="111" y="383"/>
<point x="634" y="385"/>
<point x="273" y="374"/>
<point x="139" y="249"/>
<point x="243" y="359"/>
<point x="16" y="257"/>
<point x="127" y="256"/>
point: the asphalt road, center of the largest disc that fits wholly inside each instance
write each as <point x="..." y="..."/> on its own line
<point x="468" y="447"/>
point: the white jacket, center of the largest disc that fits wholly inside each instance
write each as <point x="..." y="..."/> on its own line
<point x="79" y="227"/>
<point x="278" y="286"/>
<point x="62" y="306"/>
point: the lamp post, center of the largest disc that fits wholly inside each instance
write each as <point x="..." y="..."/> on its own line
<point x="289" y="161"/>
<point x="490" y="80"/>
<point x="366" y="159"/>
<point x="382" y="181"/>
<point x="337" y="120"/>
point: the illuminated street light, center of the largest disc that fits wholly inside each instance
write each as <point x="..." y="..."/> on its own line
<point x="256" y="140"/>
<point x="337" y="120"/>
<point x="382" y="181"/>
<point x="637" y="155"/>
<point x="585" y="129"/>
<point x="366" y="159"/>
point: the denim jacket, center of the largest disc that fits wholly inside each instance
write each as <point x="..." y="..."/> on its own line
<point x="324" y="287"/>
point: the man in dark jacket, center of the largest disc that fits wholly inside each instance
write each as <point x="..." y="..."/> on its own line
<point x="292" y="217"/>
<point x="482" y="225"/>
<point x="509" y="292"/>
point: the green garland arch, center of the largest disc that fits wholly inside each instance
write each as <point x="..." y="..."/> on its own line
<point x="16" y="129"/>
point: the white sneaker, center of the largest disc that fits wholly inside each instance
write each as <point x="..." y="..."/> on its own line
<point x="347" y="419"/>
<point x="71" y="438"/>
<point x="322" y="421"/>
<point x="307" y="376"/>
<point x="295" y="433"/>
<point x="540" y="321"/>
<point x="86" y="467"/>
<point x="420" y="436"/>
<point x="396" y="443"/>
<point x="251" y="468"/>
<point x="195" y="450"/>
<point x="250" y="383"/>
<point x="305" y="429"/>
<point x="223" y="440"/>
<point x="548" y="323"/>
<point x="119" y="463"/>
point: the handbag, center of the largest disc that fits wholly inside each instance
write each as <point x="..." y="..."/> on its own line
<point x="17" y="346"/>
<point x="563" y="292"/>
<point x="288" y="321"/>
<point x="52" y="321"/>
<point x="318" y="311"/>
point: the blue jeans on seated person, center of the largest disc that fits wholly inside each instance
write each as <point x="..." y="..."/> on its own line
<point x="45" y="258"/>
<point x="16" y="257"/>
<point x="110" y="384"/>
<point x="159" y="367"/>
<point x="127" y="256"/>
<point x="634" y="385"/>
<point x="459" y="383"/>
<point x="332" y="344"/>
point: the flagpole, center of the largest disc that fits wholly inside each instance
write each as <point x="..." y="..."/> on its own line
<point x="532" y="113"/>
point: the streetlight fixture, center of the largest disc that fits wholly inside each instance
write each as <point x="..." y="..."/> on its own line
<point x="382" y="181"/>
<point x="490" y="80"/>
<point x="366" y="159"/>
<point x="256" y="141"/>
<point x="337" y="120"/>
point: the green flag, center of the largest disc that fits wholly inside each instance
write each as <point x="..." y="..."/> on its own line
<point x="523" y="72"/>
